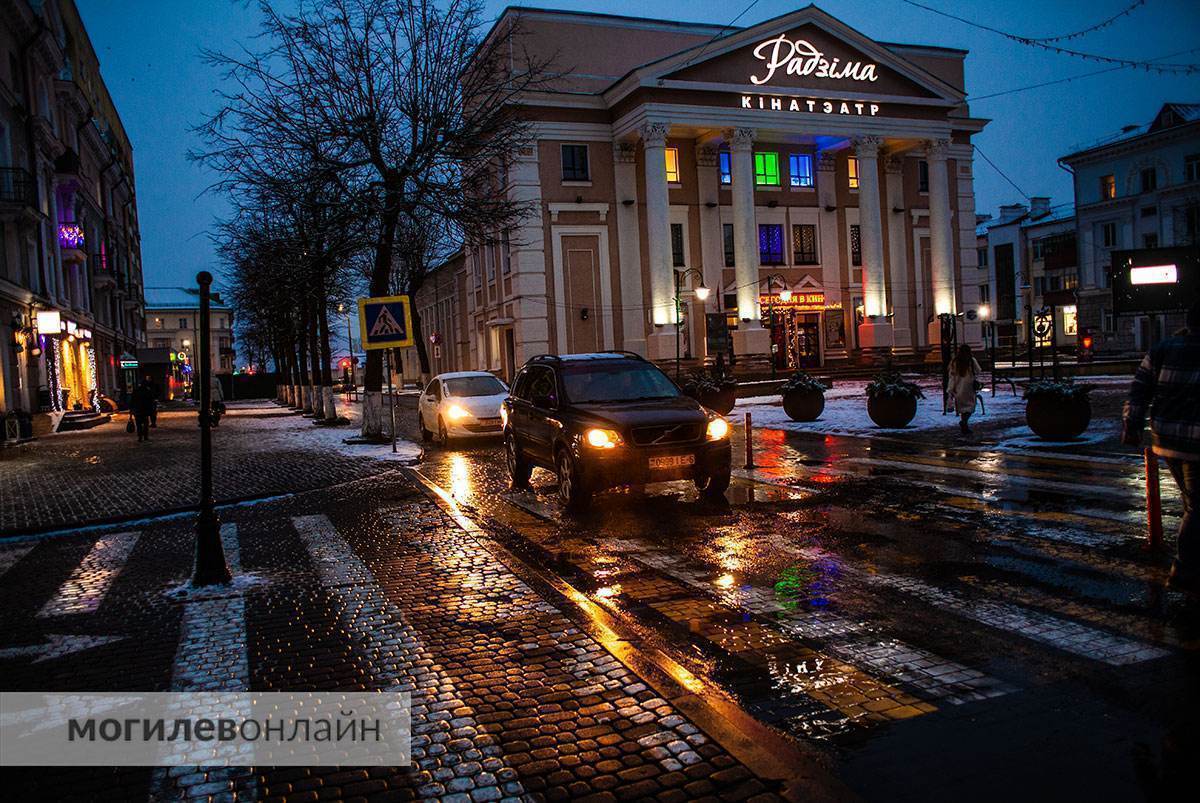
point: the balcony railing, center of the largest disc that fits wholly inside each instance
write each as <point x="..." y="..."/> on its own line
<point x="17" y="187"/>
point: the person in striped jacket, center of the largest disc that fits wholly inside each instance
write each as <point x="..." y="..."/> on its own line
<point x="1167" y="385"/>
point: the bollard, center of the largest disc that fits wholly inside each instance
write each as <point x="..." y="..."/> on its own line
<point x="1153" y="502"/>
<point x="749" y="442"/>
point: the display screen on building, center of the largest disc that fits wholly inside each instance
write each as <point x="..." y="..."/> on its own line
<point x="1155" y="280"/>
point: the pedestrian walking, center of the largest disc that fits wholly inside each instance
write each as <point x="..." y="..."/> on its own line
<point x="1167" y="386"/>
<point x="142" y="404"/>
<point x="964" y="385"/>
<point x="157" y="395"/>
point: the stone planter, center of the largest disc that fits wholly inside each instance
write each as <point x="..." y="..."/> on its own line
<point x="1054" y="418"/>
<point x="804" y="405"/>
<point x="722" y="401"/>
<point x="892" y="412"/>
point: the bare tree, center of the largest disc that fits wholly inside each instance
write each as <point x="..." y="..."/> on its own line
<point x="407" y="102"/>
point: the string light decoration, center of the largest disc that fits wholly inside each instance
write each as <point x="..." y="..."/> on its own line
<point x="70" y="235"/>
<point x="93" y="388"/>
<point x="50" y="349"/>
<point x="1134" y="6"/>
<point x="1045" y="44"/>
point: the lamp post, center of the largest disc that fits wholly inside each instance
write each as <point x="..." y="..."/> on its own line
<point x="210" y="568"/>
<point x="775" y="277"/>
<point x="701" y="292"/>
<point x="985" y="314"/>
<point x="349" y="348"/>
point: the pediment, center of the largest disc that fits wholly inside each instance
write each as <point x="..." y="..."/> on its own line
<point x="808" y="51"/>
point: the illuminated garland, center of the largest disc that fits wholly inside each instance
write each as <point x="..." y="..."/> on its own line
<point x="93" y="386"/>
<point x="52" y="373"/>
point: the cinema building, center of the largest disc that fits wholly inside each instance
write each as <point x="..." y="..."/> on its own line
<point x="793" y="183"/>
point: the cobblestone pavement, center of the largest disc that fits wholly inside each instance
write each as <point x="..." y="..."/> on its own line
<point x="103" y="473"/>
<point x="366" y="586"/>
<point x="947" y="621"/>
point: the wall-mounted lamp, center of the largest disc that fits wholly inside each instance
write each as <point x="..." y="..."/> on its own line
<point x="710" y="204"/>
<point x="772" y="204"/>
<point x="583" y="314"/>
<point x="830" y="208"/>
<point x="628" y="202"/>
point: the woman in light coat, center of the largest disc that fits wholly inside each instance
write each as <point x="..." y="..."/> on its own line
<point x="964" y="376"/>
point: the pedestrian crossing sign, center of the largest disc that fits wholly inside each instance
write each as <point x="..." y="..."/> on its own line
<point x="385" y="322"/>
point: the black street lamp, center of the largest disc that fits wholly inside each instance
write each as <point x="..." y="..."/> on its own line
<point x="210" y="568"/>
<point x="785" y="295"/>
<point x="989" y="332"/>
<point x="701" y="292"/>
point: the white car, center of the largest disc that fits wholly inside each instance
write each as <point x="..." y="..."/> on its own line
<point x="461" y="404"/>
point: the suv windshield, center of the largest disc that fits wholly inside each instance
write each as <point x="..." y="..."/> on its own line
<point x="474" y="386"/>
<point x="616" y="381"/>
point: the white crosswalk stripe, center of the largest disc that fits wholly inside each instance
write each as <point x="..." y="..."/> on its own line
<point x="85" y="589"/>
<point x="11" y="555"/>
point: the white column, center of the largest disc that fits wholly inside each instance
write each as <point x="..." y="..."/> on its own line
<point x="750" y="337"/>
<point x="831" y="266"/>
<point x="661" y="342"/>
<point x="875" y="333"/>
<point x="629" y="247"/>
<point x="712" y="246"/>
<point x="903" y="298"/>
<point x="941" y="234"/>
<point x="529" y="268"/>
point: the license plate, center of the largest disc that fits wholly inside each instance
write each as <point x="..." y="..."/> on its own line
<point x="673" y="461"/>
<point x="494" y="422"/>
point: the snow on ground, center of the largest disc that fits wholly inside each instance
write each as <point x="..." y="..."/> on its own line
<point x="284" y="429"/>
<point x="846" y="411"/>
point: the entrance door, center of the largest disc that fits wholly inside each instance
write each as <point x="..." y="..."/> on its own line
<point x="580" y="254"/>
<point x="806" y="342"/>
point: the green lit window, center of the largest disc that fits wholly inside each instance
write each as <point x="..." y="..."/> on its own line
<point x="766" y="169"/>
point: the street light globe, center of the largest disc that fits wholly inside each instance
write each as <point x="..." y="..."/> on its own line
<point x="187" y="342"/>
<point x="785" y="296"/>
<point x="985" y="311"/>
<point x="701" y="292"/>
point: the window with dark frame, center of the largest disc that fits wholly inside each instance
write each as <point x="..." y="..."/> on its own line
<point x="855" y="245"/>
<point x="677" y="245"/>
<point x="1149" y="211"/>
<point x="800" y="170"/>
<point x="575" y="163"/>
<point x="770" y="244"/>
<point x="804" y="244"/>
<point x="1191" y="167"/>
<point x="505" y="256"/>
<point x="727" y="237"/>
<point x="1108" y="233"/>
<point x="923" y="176"/>
<point x="983" y="256"/>
<point x="730" y="300"/>
<point x="1149" y="179"/>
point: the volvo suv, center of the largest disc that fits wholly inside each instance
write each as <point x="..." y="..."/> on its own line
<point x="609" y="419"/>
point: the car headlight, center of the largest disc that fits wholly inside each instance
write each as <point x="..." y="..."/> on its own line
<point x="602" y="438"/>
<point x="457" y="413"/>
<point x="503" y="416"/>
<point x="718" y="428"/>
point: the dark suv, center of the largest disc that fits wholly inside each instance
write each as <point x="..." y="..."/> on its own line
<point x="608" y="419"/>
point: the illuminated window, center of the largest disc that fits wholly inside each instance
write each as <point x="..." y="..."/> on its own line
<point x="672" y="165"/>
<point x="770" y="244"/>
<point x="766" y="169"/>
<point x="852" y="166"/>
<point x="1070" y="320"/>
<point x="725" y="165"/>
<point x="800" y="171"/>
<point x="1108" y="188"/>
<point x="855" y="245"/>
<point x="804" y="244"/>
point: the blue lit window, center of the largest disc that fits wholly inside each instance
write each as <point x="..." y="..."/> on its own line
<point x="770" y="244"/>
<point x="725" y="163"/>
<point x="800" y="170"/>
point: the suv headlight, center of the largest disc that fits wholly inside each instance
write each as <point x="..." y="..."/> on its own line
<point x="601" y="438"/>
<point x="456" y="412"/>
<point x="718" y="428"/>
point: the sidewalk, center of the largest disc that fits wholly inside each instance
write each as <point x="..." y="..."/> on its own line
<point x="100" y="475"/>
<point x="368" y="585"/>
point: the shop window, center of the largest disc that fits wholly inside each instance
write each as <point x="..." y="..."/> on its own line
<point x="923" y="176"/>
<point x="800" y="170"/>
<point x="766" y="169"/>
<point x="1108" y="188"/>
<point x="1149" y="179"/>
<point x="677" y="245"/>
<point x="725" y="165"/>
<point x="575" y="163"/>
<point x="1191" y="167"/>
<point x="852" y="168"/>
<point x="804" y="244"/>
<point x="672" y="156"/>
<point x="855" y="245"/>
<point x="727" y="238"/>
<point x="770" y="244"/>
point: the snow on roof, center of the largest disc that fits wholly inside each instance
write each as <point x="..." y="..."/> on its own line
<point x="1168" y="116"/>
<point x="1057" y="213"/>
<point x="179" y="298"/>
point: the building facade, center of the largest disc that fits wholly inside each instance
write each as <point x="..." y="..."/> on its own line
<point x="172" y="323"/>
<point x="816" y="183"/>
<point x="1029" y="257"/>
<point x="70" y="251"/>
<point x="1139" y="190"/>
<point x="441" y="304"/>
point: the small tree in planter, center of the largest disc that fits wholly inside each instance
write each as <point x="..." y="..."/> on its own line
<point x="717" y="393"/>
<point x="892" y="400"/>
<point x="803" y="397"/>
<point x="1057" y="411"/>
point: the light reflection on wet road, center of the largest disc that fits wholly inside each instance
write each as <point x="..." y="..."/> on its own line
<point x="883" y="596"/>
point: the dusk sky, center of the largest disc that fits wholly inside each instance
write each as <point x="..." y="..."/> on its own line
<point x="150" y="58"/>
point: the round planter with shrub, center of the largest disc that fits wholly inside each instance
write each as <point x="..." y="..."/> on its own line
<point x="892" y="401"/>
<point x="718" y="394"/>
<point x="1057" y="411"/>
<point x="803" y="397"/>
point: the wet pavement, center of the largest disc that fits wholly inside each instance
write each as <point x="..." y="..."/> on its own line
<point x="946" y="621"/>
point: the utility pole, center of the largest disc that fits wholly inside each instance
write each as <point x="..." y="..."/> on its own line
<point x="210" y="568"/>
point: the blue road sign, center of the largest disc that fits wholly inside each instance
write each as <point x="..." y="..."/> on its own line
<point x="385" y="322"/>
